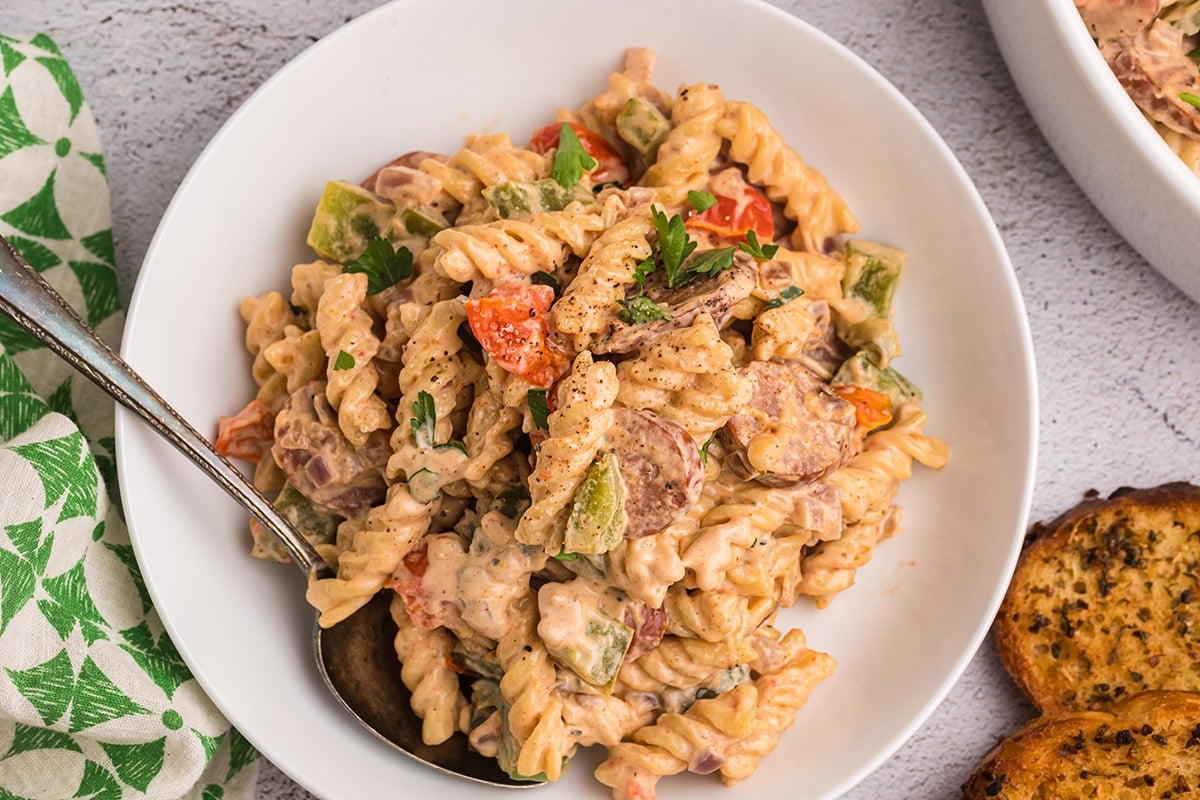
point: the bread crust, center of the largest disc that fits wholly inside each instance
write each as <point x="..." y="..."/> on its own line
<point x="1146" y="746"/>
<point x="1105" y="601"/>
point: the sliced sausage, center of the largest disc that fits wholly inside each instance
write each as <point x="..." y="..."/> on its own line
<point x="660" y="467"/>
<point x="793" y="430"/>
<point x="824" y="352"/>
<point x="1156" y="71"/>
<point x="320" y="462"/>
<point x="715" y="296"/>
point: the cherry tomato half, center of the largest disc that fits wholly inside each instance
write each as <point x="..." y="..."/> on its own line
<point x="511" y="324"/>
<point x="610" y="166"/>
<point x="731" y="217"/>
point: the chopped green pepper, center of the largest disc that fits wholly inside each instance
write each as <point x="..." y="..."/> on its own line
<point x="347" y="218"/>
<point x="597" y="517"/>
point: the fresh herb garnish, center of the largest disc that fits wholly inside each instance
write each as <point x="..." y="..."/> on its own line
<point x="704" y="449"/>
<point x="637" y="310"/>
<point x="643" y="270"/>
<point x="539" y="407"/>
<point x="563" y="555"/>
<point x="760" y="252"/>
<point x="546" y="279"/>
<point x="423" y="420"/>
<point x="674" y="246"/>
<point x="343" y="361"/>
<point x="423" y="423"/>
<point x="570" y="159"/>
<point x="383" y="265"/>
<point x="707" y="263"/>
<point x="1190" y="99"/>
<point x="788" y="294"/>
<point x="701" y="201"/>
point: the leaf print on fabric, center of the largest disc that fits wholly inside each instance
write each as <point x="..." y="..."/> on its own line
<point x="60" y="400"/>
<point x="65" y="79"/>
<point x="64" y="622"/>
<point x="137" y="764"/>
<point x="10" y="57"/>
<point x="14" y="339"/>
<point x="124" y="553"/>
<point x="241" y="753"/>
<point x="47" y="686"/>
<point x="65" y="466"/>
<point x="96" y="160"/>
<point x="38" y="216"/>
<point x="103" y="451"/>
<point x="209" y="743"/>
<point x="99" y="284"/>
<point x="100" y="244"/>
<point x="40" y="257"/>
<point x="20" y="408"/>
<point x="31" y="737"/>
<point x="16" y="590"/>
<point x="20" y="569"/>
<point x="97" y="699"/>
<point x="28" y="539"/>
<point x="98" y="783"/>
<point x="70" y="590"/>
<point x="160" y="660"/>
<point x="14" y="135"/>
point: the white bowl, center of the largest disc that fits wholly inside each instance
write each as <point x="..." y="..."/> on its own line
<point x="411" y="75"/>
<point x="1128" y="172"/>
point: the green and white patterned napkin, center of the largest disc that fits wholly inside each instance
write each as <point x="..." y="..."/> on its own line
<point x="95" y="702"/>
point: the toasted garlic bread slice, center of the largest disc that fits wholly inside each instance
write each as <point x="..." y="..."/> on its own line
<point x="1146" y="746"/>
<point x="1105" y="601"/>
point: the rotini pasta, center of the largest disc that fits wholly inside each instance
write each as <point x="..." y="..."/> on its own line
<point x="591" y="437"/>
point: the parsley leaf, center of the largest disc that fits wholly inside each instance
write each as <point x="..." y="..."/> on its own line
<point x="760" y="252"/>
<point x="643" y="270"/>
<point x="546" y="279"/>
<point x="343" y="361"/>
<point x="674" y="245"/>
<point x="570" y="160"/>
<point x="1190" y="99"/>
<point x="424" y="418"/>
<point x="637" y="310"/>
<point x="539" y="407"/>
<point x="707" y="263"/>
<point x="790" y="293"/>
<point x="383" y="265"/>
<point x="704" y="449"/>
<point x="701" y="201"/>
<point x="563" y="555"/>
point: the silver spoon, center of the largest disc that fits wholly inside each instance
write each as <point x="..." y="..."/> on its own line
<point x="355" y="657"/>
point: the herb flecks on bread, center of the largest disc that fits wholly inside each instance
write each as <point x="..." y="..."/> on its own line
<point x="1105" y="601"/>
<point x="1147" y="746"/>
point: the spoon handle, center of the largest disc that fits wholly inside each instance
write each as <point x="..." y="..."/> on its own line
<point x="31" y="303"/>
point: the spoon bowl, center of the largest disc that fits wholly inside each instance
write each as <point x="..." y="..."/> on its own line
<point x="356" y="657"/>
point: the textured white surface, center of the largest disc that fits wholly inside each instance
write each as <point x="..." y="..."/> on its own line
<point x="1118" y="347"/>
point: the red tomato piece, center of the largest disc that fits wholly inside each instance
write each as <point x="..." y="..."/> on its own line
<point x="610" y="166"/>
<point x="247" y="434"/>
<point x="512" y="325"/>
<point x="731" y="217"/>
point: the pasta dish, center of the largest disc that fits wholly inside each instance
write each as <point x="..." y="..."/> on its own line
<point x="592" y="409"/>
<point x="1152" y="47"/>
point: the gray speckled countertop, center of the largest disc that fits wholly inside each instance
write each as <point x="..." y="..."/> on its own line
<point x="1118" y="348"/>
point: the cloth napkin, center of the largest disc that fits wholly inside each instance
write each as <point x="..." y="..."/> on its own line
<point x="95" y="701"/>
